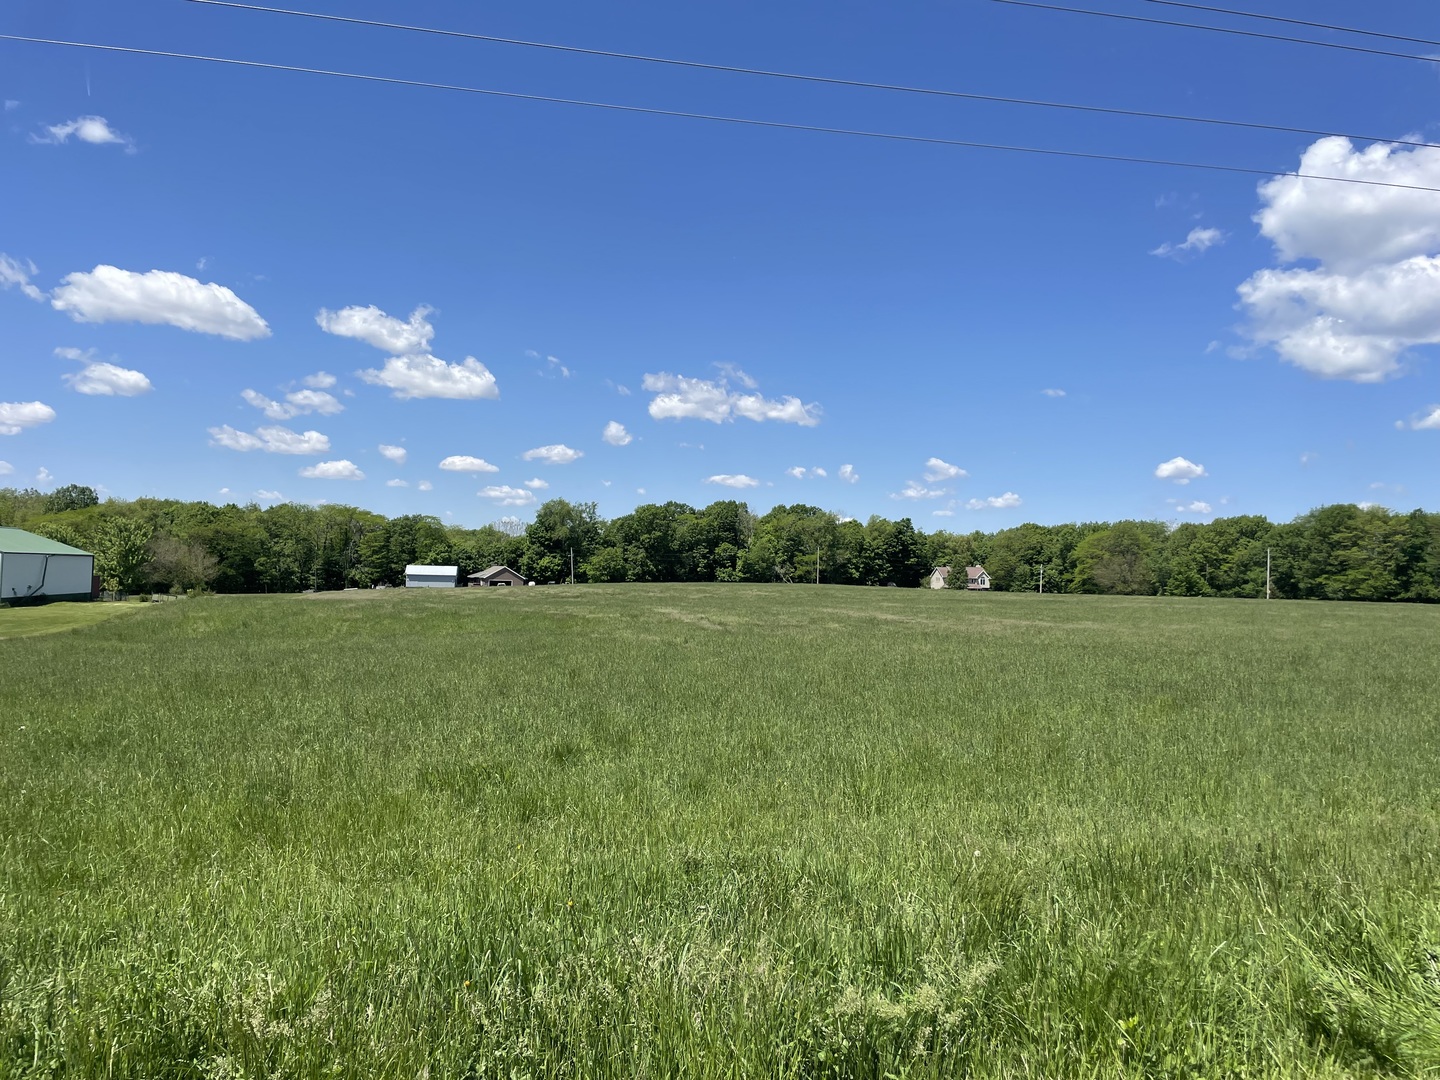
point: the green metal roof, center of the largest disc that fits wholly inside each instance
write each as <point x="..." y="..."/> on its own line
<point x="20" y="542"/>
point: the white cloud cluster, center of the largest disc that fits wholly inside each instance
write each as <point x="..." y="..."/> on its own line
<point x="6" y="468"/>
<point x="158" y="297"/>
<point x="1008" y="501"/>
<point x="849" y="475"/>
<point x="102" y="379"/>
<point x="16" y="416"/>
<point x="410" y="371"/>
<point x="678" y="397"/>
<point x="739" y="480"/>
<point x="397" y="482"/>
<point x="95" y="130"/>
<point x="935" y="469"/>
<point x="466" y="463"/>
<point x="296" y="403"/>
<point x="1196" y="507"/>
<point x="1053" y="392"/>
<point x="321" y="380"/>
<point x="536" y="484"/>
<point x="1428" y="421"/>
<point x="17" y="273"/>
<point x="397" y="454"/>
<point x="333" y="470"/>
<point x="799" y="472"/>
<point x="1199" y="241"/>
<point x="505" y="495"/>
<point x="555" y="454"/>
<point x="1180" y="470"/>
<point x="914" y="490"/>
<point x="616" y="435"/>
<point x="430" y="377"/>
<point x="374" y="327"/>
<point x="1374" y="292"/>
<point x="272" y="440"/>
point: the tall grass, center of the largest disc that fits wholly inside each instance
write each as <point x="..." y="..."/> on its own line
<point x="722" y="831"/>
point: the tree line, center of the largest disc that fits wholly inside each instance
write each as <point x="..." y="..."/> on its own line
<point x="1338" y="552"/>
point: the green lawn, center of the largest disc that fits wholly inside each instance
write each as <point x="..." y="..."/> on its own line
<point x="52" y="618"/>
<point x="722" y="831"/>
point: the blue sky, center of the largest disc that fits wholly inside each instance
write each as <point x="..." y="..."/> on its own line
<point x="218" y="280"/>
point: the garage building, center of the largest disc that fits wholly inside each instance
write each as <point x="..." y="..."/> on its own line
<point x="432" y="577"/>
<point x="38" y="568"/>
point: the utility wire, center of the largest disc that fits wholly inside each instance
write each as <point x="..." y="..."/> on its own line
<point x="796" y="77"/>
<point x="737" y="120"/>
<point x="1297" y="22"/>
<point x="1219" y="30"/>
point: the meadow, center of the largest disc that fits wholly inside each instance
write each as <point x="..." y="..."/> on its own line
<point x="723" y="830"/>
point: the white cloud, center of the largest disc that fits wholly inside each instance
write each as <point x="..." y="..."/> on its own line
<point x="797" y="471"/>
<point x="848" y="474"/>
<point x="818" y="471"/>
<point x="537" y="484"/>
<point x="678" y="397"/>
<point x="556" y="454"/>
<point x="397" y="483"/>
<point x="321" y="380"/>
<point x="6" y="468"/>
<point x="297" y="403"/>
<point x="374" y="327"/>
<point x="942" y="513"/>
<point x="466" y="463"/>
<point x="1430" y="421"/>
<point x="1180" y="470"/>
<point x="424" y="485"/>
<point x="506" y="495"/>
<point x="1309" y="455"/>
<point x="95" y="130"/>
<point x="17" y="273"/>
<point x="1053" y="392"/>
<point x="16" y="416"/>
<point x="272" y="440"/>
<point x="616" y="435"/>
<point x="397" y="454"/>
<point x="1374" y="292"/>
<point x="1197" y="243"/>
<point x="107" y="380"/>
<point x="1008" y="501"/>
<point x="935" y="469"/>
<point x="159" y="297"/>
<point x="913" y="490"/>
<point x="730" y="371"/>
<point x="44" y="475"/>
<point x="333" y="470"/>
<point x="737" y="481"/>
<point x="11" y="106"/>
<point x="425" y="376"/>
<point x="269" y="496"/>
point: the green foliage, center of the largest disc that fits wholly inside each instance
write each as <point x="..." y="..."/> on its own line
<point x="122" y="554"/>
<point x="70" y="497"/>
<point x="706" y="831"/>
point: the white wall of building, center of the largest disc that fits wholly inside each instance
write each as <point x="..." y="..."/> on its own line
<point x="23" y="575"/>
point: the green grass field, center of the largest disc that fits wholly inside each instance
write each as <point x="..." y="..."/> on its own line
<point x="53" y="618"/>
<point x="741" y="831"/>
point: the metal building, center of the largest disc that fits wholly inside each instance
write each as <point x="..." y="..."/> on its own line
<point x="38" y="568"/>
<point x="432" y="577"/>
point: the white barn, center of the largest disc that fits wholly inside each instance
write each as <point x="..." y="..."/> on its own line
<point x="432" y="577"/>
<point x="37" y="568"/>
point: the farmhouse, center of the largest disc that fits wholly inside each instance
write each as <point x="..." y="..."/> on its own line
<point x="38" y="568"/>
<point x="976" y="578"/>
<point x="938" y="577"/>
<point x="497" y="575"/>
<point x="432" y="577"/>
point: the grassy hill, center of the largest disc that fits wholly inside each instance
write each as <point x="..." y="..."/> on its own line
<point x="721" y="831"/>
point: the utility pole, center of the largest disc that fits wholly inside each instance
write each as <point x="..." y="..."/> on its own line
<point x="572" y="566"/>
<point x="1267" y="573"/>
<point x="817" y="565"/>
<point x="1042" y="580"/>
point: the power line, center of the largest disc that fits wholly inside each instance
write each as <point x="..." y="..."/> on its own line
<point x="1297" y="22"/>
<point x="797" y="77"/>
<point x="1219" y="30"/>
<point x="780" y="125"/>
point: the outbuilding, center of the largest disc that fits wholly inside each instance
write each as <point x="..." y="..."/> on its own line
<point x="37" y="568"/>
<point x="497" y="575"/>
<point x="432" y="577"/>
